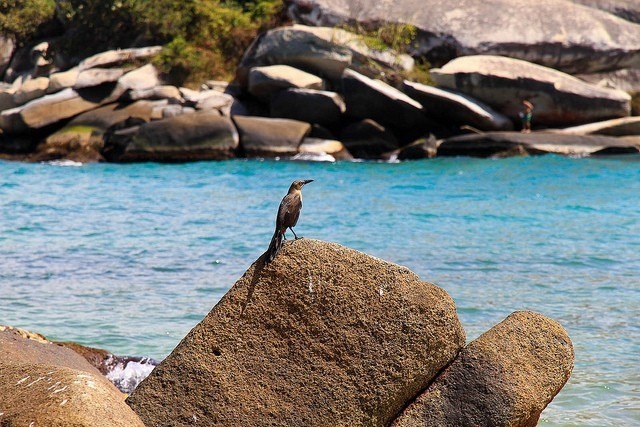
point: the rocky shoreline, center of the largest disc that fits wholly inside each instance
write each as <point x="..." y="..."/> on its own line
<point x="309" y="93"/>
<point x="366" y="342"/>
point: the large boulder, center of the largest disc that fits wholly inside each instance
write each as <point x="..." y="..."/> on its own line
<point x="559" y="34"/>
<point x="97" y="76"/>
<point x="374" y="99"/>
<point x="51" y="385"/>
<point x="82" y="140"/>
<point x="502" y="144"/>
<point x="627" y="79"/>
<point x="265" y="81"/>
<point x="62" y="80"/>
<point x="367" y="139"/>
<point x="145" y="77"/>
<point x="53" y="108"/>
<point x="506" y="377"/>
<point x="625" y="9"/>
<point x="308" y="105"/>
<point x="204" y="135"/>
<point x="7" y="91"/>
<point x="323" y="51"/>
<point x="265" y="137"/>
<point x="456" y="109"/>
<point x="30" y="90"/>
<point x="322" y="336"/>
<point x="558" y="98"/>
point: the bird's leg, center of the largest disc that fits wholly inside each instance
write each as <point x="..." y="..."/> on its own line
<point x="294" y="233"/>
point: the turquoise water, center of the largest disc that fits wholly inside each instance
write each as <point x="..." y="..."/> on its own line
<point x="130" y="257"/>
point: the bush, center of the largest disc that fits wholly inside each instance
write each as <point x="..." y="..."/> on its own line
<point x="22" y="20"/>
<point x="202" y="39"/>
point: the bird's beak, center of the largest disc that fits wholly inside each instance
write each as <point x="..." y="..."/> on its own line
<point x="306" y="181"/>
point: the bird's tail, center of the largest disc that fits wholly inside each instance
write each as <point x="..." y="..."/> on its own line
<point x="274" y="246"/>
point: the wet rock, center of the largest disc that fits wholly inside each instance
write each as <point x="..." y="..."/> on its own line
<point x="201" y="135"/>
<point x="505" y="377"/>
<point x="456" y="109"/>
<point x="265" y="137"/>
<point x="368" y="139"/>
<point x="47" y="384"/>
<point x="562" y="35"/>
<point x="265" y="81"/>
<point x="82" y="139"/>
<point x="423" y="148"/>
<point x="333" y="148"/>
<point x="501" y="144"/>
<point x="373" y="99"/>
<point x="16" y="145"/>
<point x="559" y="99"/>
<point x="308" y="105"/>
<point x="324" y="51"/>
<point x="323" y="335"/>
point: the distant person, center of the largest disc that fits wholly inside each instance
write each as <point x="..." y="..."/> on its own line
<point x="526" y="115"/>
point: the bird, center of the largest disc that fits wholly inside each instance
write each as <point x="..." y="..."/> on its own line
<point x="288" y="214"/>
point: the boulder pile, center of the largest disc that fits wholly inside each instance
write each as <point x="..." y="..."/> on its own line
<point x="321" y="93"/>
<point x="326" y="335"/>
<point x="322" y="335"/>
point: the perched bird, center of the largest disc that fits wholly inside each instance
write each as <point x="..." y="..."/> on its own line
<point x="288" y="214"/>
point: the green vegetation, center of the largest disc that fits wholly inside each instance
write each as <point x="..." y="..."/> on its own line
<point x="397" y="36"/>
<point x="22" y="20"/>
<point x="202" y="39"/>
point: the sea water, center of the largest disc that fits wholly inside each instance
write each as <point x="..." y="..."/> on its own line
<point x="130" y="257"/>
